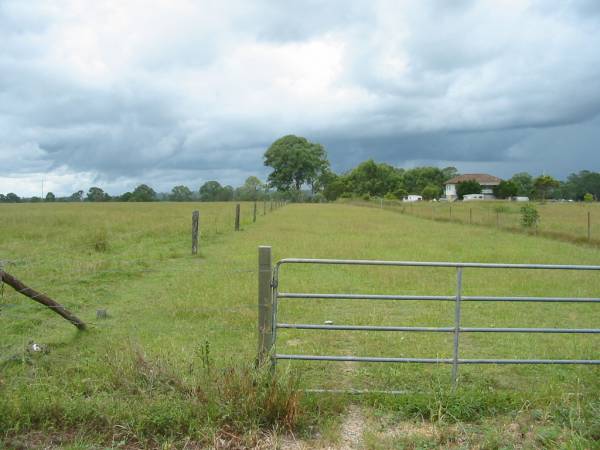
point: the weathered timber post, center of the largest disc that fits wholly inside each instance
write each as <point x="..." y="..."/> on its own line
<point x="265" y="304"/>
<point x="195" y="223"/>
<point x="589" y="226"/>
<point x="450" y="212"/>
<point x="470" y="216"/>
<point x="237" y="217"/>
<point x="42" y="298"/>
<point x="254" y="212"/>
<point x="264" y="207"/>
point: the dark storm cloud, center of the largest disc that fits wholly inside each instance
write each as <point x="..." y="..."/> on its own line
<point x="185" y="92"/>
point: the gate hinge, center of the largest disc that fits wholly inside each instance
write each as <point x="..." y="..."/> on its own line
<point x="274" y="284"/>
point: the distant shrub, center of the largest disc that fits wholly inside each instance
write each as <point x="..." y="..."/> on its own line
<point x="529" y="215"/>
<point x="346" y="195"/>
<point x="366" y="197"/>
<point x="390" y="196"/>
<point x="588" y="197"/>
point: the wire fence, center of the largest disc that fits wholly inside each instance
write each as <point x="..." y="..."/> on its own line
<point x="83" y="280"/>
<point x="575" y="222"/>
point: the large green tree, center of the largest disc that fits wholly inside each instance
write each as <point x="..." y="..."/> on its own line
<point x="374" y="179"/>
<point x="418" y="178"/>
<point x="579" y="184"/>
<point x="95" y="194"/>
<point x="295" y="161"/>
<point x="253" y="189"/>
<point x="524" y="183"/>
<point x="180" y="193"/>
<point x="543" y="185"/>
<point x="143" y="193"/>
<point x="210" y="191"/>
<point x="506" y="189"/>
<point x="468" y="187"/>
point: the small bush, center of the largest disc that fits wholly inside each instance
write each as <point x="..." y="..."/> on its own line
<point x="366" y="197"/>
<point x="588" y="197"/>
<point x="529" y="216"/>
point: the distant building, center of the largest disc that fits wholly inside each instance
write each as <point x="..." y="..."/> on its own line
<point x="487" y="182"/>
<point x="412" y="198"/>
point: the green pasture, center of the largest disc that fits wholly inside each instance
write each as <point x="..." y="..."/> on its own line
<point x="567" y="221"/>
<point x="174" y="360"/>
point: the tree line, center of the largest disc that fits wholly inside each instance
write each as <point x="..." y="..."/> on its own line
<point x="211" y="191"/>
<point x="300" y="171"/>
<point x="296" y="162"/>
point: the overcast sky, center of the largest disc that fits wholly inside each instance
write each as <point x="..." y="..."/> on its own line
<point x="116" y="93"/>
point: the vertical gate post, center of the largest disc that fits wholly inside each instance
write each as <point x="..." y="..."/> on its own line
<point x="195" y="223"/>
<point x="237" y="217"/>
<point x="265" y="304"/>
<point x="456" y="327"/>
<point x="254" y="213"/>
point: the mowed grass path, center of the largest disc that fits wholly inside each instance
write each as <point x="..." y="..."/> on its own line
<point x="182" y="306"/>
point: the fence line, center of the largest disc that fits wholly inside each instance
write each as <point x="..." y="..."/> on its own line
<point x="501" y="219"/>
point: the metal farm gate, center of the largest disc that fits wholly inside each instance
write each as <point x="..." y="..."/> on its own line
<point x="270" y="297"/>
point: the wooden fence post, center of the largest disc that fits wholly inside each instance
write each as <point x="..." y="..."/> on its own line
<point x="195" y="222"/>
<point x="589" y="226"/>
<point x="237" y="217"/>
<point x="271" y="205"/>
<point x="264" y="207"/>
<point x="470" y="216"/>
<point x="254" y="213"/>
<point x="41" y="298"/>
<point x="265" y="304"/>
<point x="450" y="212"/>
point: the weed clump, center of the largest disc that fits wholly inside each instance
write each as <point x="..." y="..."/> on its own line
<point x="99" y="240"/>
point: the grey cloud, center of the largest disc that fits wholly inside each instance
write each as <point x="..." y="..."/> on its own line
<point x="464" y="83"/>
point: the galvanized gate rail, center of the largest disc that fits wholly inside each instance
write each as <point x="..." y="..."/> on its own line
<point x="268" y="326"/>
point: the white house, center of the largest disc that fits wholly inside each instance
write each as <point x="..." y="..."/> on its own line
<point x="412" y="198"/>
<point x="487" y="182"/>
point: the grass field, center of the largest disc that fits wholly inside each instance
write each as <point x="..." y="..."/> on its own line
<point x="558" y="220"/>
<point x="173" y="363"/>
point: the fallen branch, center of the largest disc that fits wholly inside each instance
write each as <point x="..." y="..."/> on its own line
<point x="42" y="298"/>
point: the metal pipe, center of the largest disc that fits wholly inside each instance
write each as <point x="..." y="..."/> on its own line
<point x="365" y="296"/>
<point x="374" y="262"/>
<point x="305" y="326"/>
<point x="364" y="359"/>
<point x="456" y="326"/>
<point x="304" y="295"/>
<point x="436" y="360"/>
<point x="531" y="330"/>
<point x="308" y="326"/>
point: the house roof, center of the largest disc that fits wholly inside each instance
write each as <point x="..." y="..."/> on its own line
<point x="481" y="178"/>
